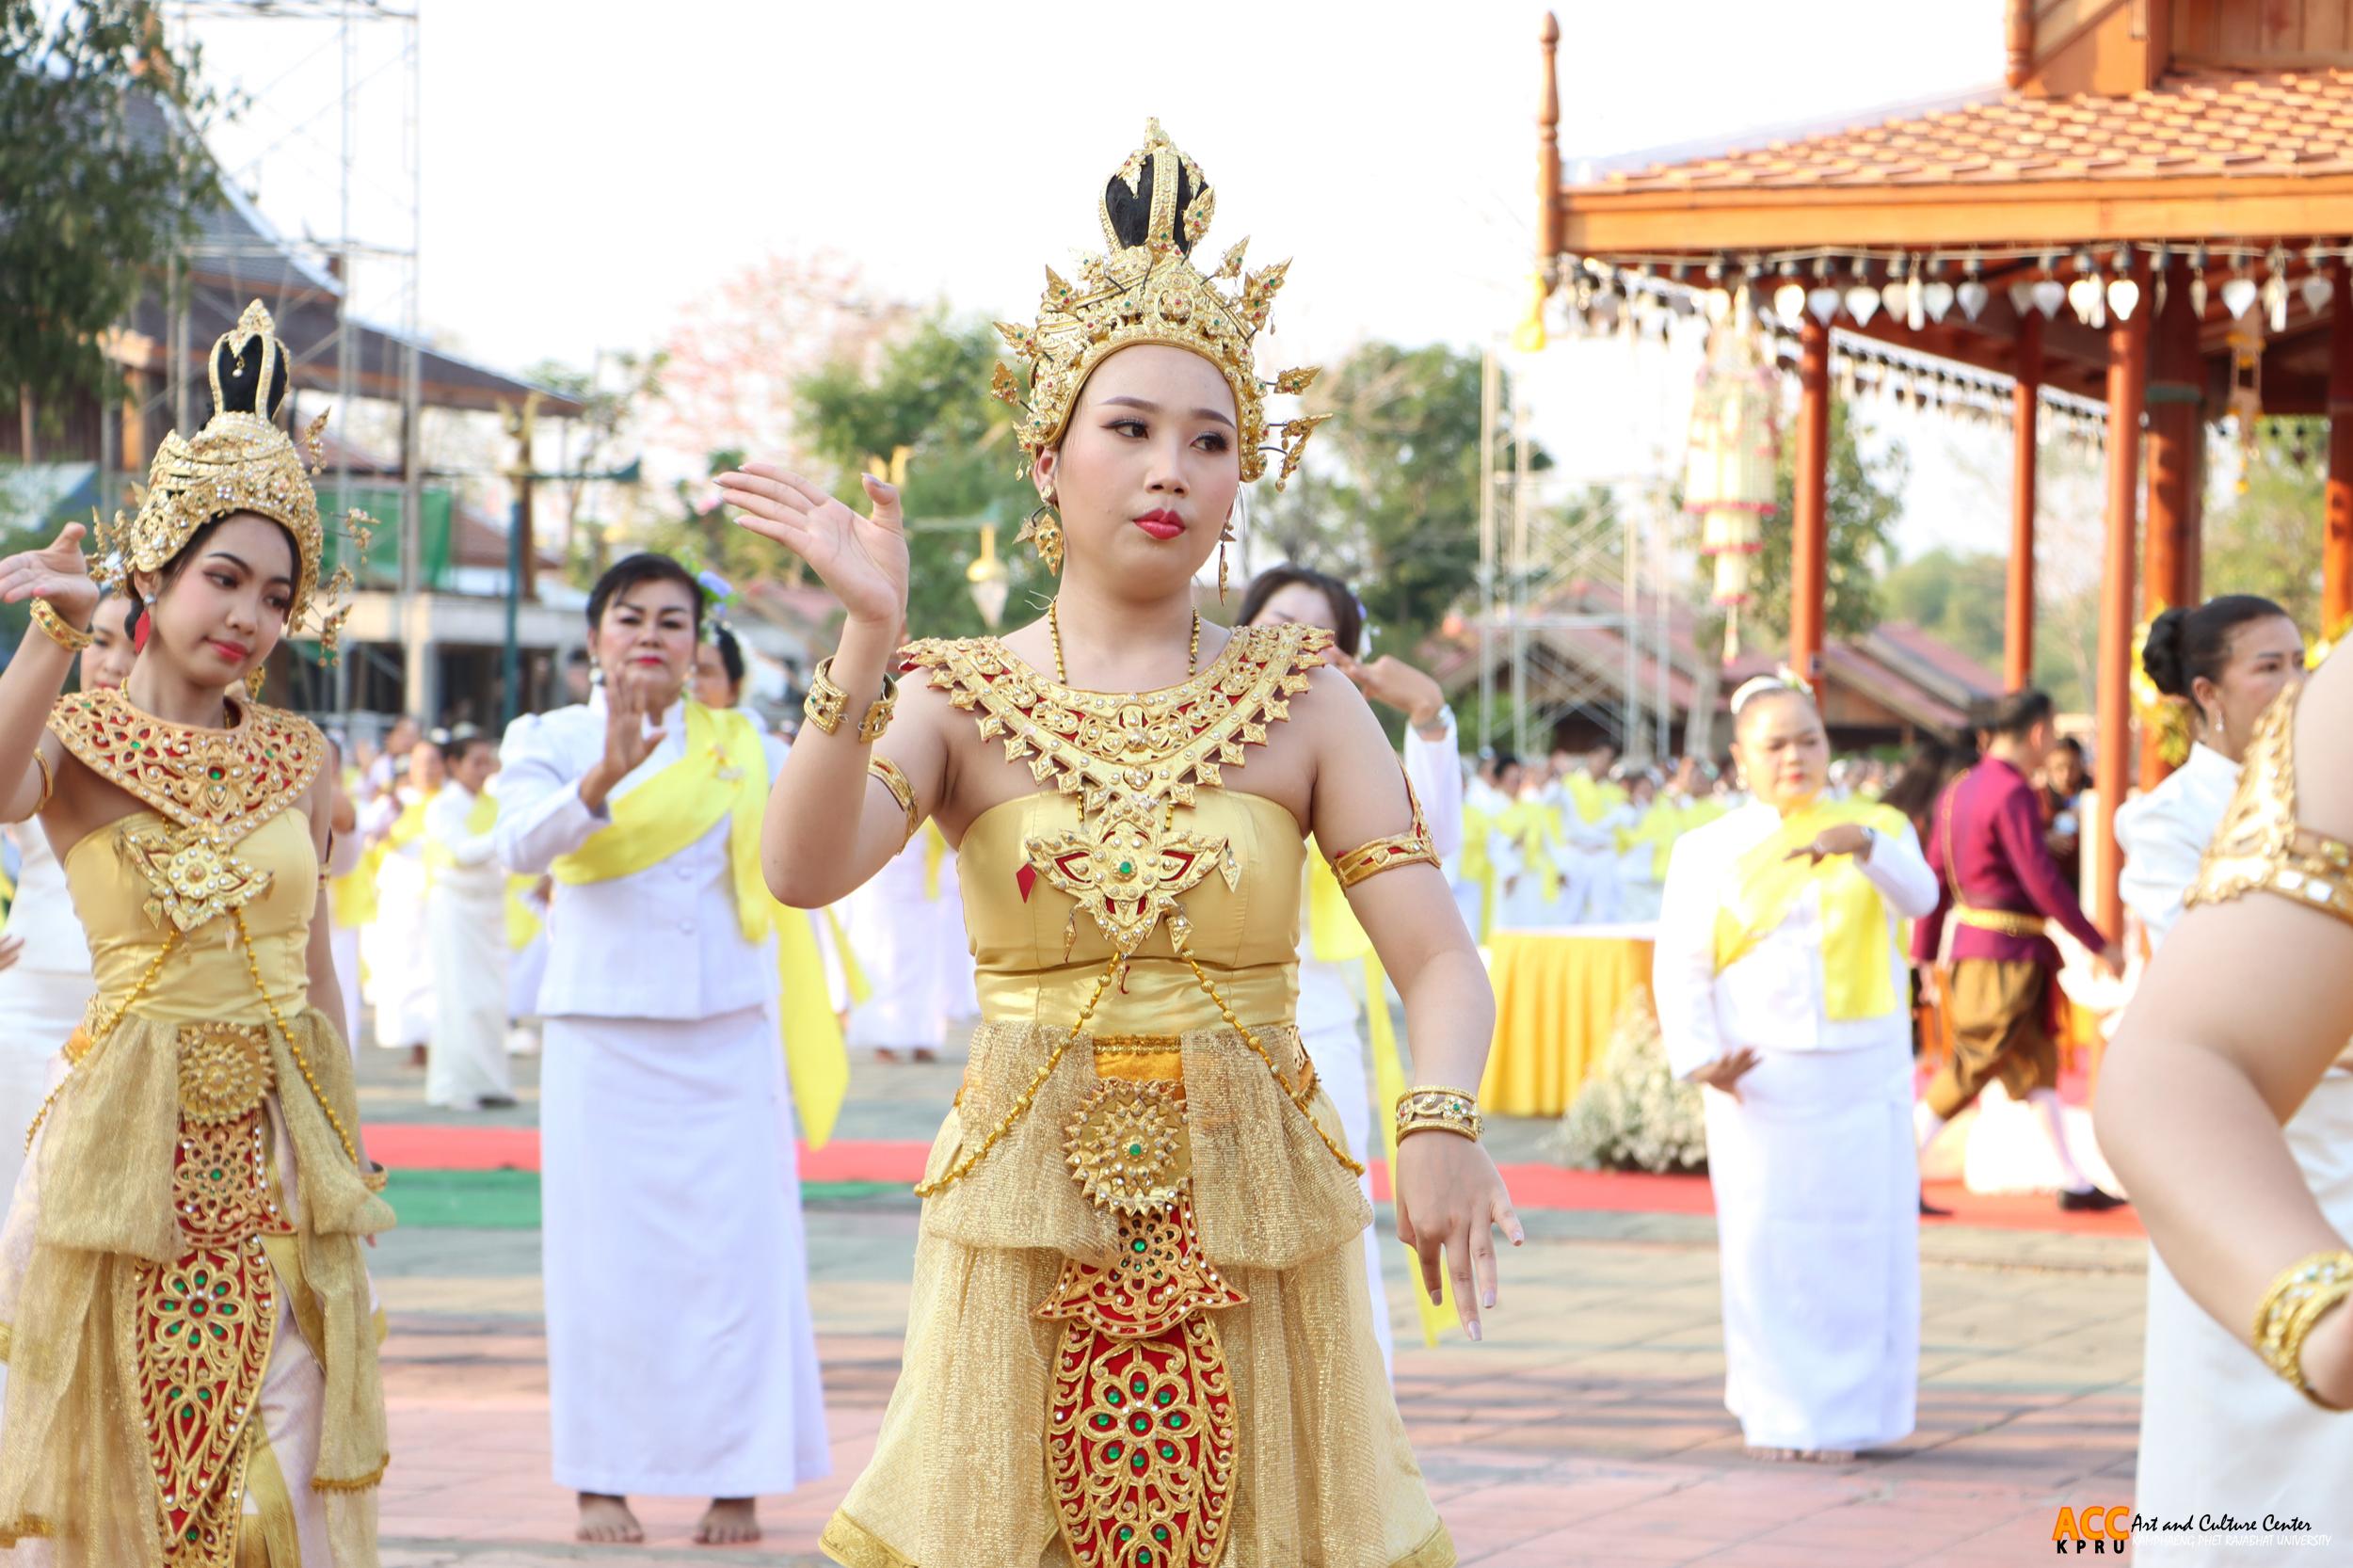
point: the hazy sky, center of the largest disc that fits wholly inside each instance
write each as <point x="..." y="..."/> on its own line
<point x="589" y="167"/>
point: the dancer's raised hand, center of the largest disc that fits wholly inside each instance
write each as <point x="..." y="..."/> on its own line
<point x="57" y="574"/>
<point x="863" y="560"/>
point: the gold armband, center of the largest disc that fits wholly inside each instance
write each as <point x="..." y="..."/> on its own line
<point x="1434" y="1108"/>
<point x="1409" y="848"/>
<point x="901" y="791"/>
<point x="826" y="704"/>
<point x="2261" y="847"/>
<point x="48" y="781"/>
<point x="73" y="639"/>
<point x="2299" y="1298"/>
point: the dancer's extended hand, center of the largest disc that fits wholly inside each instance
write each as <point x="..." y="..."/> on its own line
<point x="632" y="699"/>
<point x="1450" y="1199"/>
<point x="57" y="574"/>
<point x="863" y="560"/>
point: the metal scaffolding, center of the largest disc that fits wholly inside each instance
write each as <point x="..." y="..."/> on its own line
<point x="334" y="136"/>
<point x="1575" y="575"/>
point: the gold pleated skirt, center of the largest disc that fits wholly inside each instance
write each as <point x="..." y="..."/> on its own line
<point x="1324" y="1477"/>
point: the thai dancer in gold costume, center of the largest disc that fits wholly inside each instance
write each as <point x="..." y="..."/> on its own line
<point x="191" y="1343"/>
<point x="1140" y="1332"/>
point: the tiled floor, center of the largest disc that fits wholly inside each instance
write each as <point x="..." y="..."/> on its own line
<point x="1589" y="1429"/>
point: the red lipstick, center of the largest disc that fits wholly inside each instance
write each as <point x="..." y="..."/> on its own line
<point x="1162" y="524"/>
<point x="236" y="653"/>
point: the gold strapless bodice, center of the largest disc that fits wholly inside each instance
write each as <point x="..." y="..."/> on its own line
<point x="205" y="975"/>
<point x="1247" y="936"/>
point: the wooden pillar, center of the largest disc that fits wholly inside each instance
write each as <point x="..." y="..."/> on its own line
<point x="2025" y="433"/>
<point x="1809" y="522"/>
<point x="2174" y="399"/>
<point x="2128" y="357"/>
<point x="2336" y="594"/>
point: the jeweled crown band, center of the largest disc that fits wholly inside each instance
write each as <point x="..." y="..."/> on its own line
<point x="1435" y="1108"/>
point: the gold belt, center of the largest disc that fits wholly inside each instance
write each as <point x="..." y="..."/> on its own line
<point x="2009" y="922"/>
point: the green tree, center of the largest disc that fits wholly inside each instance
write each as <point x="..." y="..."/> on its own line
<point x="1865" y="499"/>
<point x="927" y="392"/>
<point x="1960" y="598"/>
<point x="2267" y="538"/>
<point x="1393" y="504"/>
<point x="88" y="210"/>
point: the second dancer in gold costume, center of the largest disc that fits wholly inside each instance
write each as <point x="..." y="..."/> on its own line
<point x="189" y="1330"/>
<point x="1140" y="1332"/>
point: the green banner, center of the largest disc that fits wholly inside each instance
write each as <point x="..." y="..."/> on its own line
<point x="380" y="568"/>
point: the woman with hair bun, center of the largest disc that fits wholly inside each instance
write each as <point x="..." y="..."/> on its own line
<point x="2218" y="1434"/>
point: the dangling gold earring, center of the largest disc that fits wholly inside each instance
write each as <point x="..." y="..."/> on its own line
<point x="1225" y="535"/>
<point x="1044" y="530"/>
<point x="254" y="682"/>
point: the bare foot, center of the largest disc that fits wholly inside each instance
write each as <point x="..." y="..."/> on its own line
<point x="608" y="1520"/>
<point x="728" y="1522"/>
<point x="1800" y="1456"/>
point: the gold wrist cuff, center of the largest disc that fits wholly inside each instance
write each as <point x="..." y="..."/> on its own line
<point x="901" y="791"/>
<point x="1434" y="1108"/>
<point x="374" y="1178"/>
<point x="73" y="639"/>
<point x="2302" y="1294"/>
<point x="827" y="703"/>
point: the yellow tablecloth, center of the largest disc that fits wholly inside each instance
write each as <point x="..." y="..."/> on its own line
<point x="1559" y="994"/>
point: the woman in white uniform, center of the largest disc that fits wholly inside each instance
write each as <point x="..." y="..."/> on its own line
<point x="1782" y="989"/>
<point x="42" y="994"/>
<point x="1329" y="1008"/>
<point x="2218" y="1434"/>
<point x="681" y="1359"/>
<point x="465" y="915"/>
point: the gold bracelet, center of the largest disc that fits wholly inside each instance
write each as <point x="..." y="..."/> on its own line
<point x="71" y="639"/>
<point x="1435" y="1108"/>
<point x="877" y="719"/>
<point x="374" y="1178"/>
<point x="901" y="791"/>
<point x="2302" y="1294"/>
<point x="825" y="702"/>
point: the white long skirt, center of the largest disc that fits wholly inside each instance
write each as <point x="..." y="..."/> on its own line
<point x="2219" y="1432"/>
<point x="399" y="956"/>
<point x="1339" y="1056"/>
<point x="680" y="1356"/>
<point x="343" y="946"/>
<point x="895" y="935"/>
<point x="467" y="1060"/>
<point x="39" y="1009"/>
<point x="1818" y="1216"/>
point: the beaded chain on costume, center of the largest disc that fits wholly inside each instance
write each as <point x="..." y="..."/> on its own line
<point x="1141" y="1441"/>
<point x="199" y="1329"/>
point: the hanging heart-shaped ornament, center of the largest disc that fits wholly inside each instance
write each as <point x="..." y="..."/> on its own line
<point x="2318" y="292"/>
<point x="2124" y="295"/>
<point x="1790" y="303"/>
<point x="1895" y="294"/>
<point x="2083" y="297"/>
<point x="2275" y="300"/>
<point x="2238" y="293"/>
<point x="2198" y="293"/>
<point x="1863" y="303"/>
<point x="2048" y="296"/>
<point x="1718" y="303"/>
<point x="1937" y="298"/>
<point x="1972" y="296"/>
<point x="2022" y="298"/>
<point x="1823" y="304"/>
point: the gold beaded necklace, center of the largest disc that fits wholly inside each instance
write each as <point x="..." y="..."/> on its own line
<point x="1053" y="630"/>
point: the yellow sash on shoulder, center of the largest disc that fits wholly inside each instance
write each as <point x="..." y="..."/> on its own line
<point x="1479" y="867"/>
<point x="723" y="775"/>
<point x="1536" y="828"/>
<point x="1856" y="981"/>
<point x="1335" y="935"/>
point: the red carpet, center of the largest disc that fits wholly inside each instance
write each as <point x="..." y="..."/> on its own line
<point x="408" y="1147"/>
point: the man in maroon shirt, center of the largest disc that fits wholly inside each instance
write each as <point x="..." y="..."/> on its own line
<point x="1994" y="864"/>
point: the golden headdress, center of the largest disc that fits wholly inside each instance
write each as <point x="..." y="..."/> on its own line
<point x="1145" y="288"/>
<point x="240" y="461"/>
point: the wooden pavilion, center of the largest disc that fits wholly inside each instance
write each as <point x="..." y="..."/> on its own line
<point x="2156" y="211"/>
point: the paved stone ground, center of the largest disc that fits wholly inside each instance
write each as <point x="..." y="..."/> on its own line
<point x="1589" y="1429"/>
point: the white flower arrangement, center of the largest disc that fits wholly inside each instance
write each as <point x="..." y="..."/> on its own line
<point x="1632" y="1114"/>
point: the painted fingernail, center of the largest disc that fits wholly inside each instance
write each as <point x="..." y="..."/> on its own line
<point x="1436" y="1297"/>
<point x="1474" y="1333"/>
<point x="1487" y="1298"/>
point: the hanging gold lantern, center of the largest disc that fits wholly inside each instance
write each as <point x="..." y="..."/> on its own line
<point x="1730" y="469"/>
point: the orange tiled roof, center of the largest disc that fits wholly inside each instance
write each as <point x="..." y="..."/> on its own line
<point x="2203" y="124"/>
